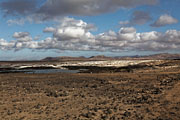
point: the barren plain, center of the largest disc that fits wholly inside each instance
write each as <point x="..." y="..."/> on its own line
<point x="144" y="91"/>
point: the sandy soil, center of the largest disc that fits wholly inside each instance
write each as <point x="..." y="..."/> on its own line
<point x="151" y="94"/>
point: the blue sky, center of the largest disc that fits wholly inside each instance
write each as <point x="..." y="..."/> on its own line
<point x="34" y="30"/>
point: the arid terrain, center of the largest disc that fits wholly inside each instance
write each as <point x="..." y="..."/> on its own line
<point x="90" y="60"/>
<point x="144" y="91"/>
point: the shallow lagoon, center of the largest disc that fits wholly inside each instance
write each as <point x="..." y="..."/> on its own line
<point x="41" y="71"/>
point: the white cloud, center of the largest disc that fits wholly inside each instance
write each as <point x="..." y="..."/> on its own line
<point x="71" y="29"/>
<point x="70" y="34"/>
<point x="16" y="22"/>
<point x="4" y="45"/>
<point x="164" y="20"/>
<point x="75" y="35"/>
<point x="37" y="37"/>
<point x="124" y="22"/>
<point x="22" y="36"/>
<point x="49" y="29"/>
<point x="125" y="30"/>
<point x="150" y="36"/>
<point x="23" y="20"/>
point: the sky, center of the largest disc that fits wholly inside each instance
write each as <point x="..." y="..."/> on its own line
<point x="35" y="29"/>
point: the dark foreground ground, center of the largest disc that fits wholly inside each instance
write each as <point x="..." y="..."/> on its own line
<point x="151" y="94"/>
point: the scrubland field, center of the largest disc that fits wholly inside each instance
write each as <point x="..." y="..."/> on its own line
<point x="148" y="90"/>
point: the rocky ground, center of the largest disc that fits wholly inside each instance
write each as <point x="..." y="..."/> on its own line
<point x="150" y="93"/>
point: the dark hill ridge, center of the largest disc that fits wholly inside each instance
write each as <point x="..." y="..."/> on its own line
<point x="81" y="58"/>
<point x="64" y="58"/>
<point x="161" y="56"/>
<point x="99" y="56"/>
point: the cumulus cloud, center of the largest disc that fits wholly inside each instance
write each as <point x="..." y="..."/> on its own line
<point x="73" y="29"/>
<point x="4" y="45"/>
<point x="75" y="35"/>
<point x="20" y="34"/>
<point x="164" y="20"/>
<point x="24" y="40"/>
<point x="127" y="30"/>
<point x="49" y="30"/>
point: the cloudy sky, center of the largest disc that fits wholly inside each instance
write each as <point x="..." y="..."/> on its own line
<point x="34" y="29"/>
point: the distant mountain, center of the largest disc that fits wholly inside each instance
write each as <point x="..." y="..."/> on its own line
<point x="161" y="56"/>
<point x="64" y="58"/>
<point x="101" y="57"/>
<point x="50" y="59"/>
